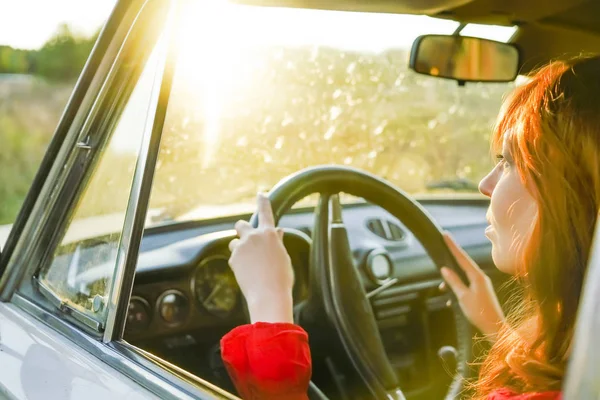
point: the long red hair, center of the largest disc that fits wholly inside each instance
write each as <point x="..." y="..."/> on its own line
<point x="552" y="125"/>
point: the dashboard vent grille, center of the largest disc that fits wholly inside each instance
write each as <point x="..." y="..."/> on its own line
<point x="392" y="307"/>
<point x="396" y="232"/>
<point x="386" y="230"/>
<point x="376" y="226"/>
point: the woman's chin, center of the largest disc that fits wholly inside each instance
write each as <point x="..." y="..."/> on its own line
<point x="501" y="263"/>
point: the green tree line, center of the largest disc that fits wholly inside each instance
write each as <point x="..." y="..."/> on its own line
<point x="61" y="58"/>
<point x="30" y="110"/>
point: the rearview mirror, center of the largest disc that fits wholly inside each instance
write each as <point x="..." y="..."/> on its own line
<point x="465" y="59"/>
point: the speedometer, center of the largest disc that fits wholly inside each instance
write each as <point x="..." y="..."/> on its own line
<point x="215" y="287"/>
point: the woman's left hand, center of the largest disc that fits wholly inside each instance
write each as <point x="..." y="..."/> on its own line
<point x="263" y="268"/>
<point x="477" y="300"/>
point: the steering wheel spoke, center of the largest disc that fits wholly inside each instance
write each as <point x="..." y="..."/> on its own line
<point x="346" y="302"/>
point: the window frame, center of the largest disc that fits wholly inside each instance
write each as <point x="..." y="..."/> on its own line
<point x="82" y="147"/>
<point x="135" y="215"/>
<point x="80" y="157"/>
<point x="126" y="84"/>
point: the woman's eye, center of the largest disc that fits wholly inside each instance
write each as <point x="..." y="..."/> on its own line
<point x="502" y="161"/>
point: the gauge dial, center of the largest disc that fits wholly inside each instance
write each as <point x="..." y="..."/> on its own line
<point x="138" y="314"/>
<point x="173" y="307"/>
<point x="215" y="287"/>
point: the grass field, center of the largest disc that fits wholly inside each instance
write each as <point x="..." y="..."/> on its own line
<point x="29" y="112"/>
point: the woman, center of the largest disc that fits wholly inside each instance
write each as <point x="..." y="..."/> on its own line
<point x="544" y="195"/>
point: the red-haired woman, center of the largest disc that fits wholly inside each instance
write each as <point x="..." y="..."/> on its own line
<point x="545" y="195"/>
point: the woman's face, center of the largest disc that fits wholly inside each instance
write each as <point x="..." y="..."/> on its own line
<point x="512" y="212"/>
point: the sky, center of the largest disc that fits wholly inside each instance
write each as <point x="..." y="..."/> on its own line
<point x="27" y="24"/>
<point x="223" y="22"/>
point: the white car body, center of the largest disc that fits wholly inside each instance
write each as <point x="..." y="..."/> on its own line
<point x="39" y="363"/>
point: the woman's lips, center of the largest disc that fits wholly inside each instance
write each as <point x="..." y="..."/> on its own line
<point x="488" y="230"/>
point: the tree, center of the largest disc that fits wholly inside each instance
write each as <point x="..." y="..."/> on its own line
<point x="14" y="61"/>
<point x="63" y="56"/>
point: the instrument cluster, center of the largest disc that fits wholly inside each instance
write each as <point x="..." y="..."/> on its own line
<point x="213" y="289"/>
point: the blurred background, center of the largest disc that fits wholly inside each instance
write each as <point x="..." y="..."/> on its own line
<point x="248" y="109"/>
<point x="43" y="47"/>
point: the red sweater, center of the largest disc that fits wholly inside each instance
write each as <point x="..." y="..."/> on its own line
<point x="272" y="361"/>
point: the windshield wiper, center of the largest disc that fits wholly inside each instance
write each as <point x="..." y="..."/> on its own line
<point x="459" y="184"/>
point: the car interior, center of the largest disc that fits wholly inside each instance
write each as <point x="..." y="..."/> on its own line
<point x="185" y="297"/>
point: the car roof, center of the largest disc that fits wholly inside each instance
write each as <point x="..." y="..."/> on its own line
<point x="548" y="29"/>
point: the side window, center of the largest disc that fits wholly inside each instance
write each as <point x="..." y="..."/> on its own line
<point x="82" y="266"/>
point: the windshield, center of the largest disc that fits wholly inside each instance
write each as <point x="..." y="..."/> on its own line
<point x="260" y="93"/>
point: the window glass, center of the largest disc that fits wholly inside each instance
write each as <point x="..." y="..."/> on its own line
<point x="300" y="88"/>
<point x="83" y="264"/>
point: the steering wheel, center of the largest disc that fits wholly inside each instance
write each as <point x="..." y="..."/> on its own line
<point x="335" y="285"/>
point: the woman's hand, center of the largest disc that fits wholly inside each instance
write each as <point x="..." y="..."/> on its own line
<point x="478" y="301"/>
<point x="263" y="268"/>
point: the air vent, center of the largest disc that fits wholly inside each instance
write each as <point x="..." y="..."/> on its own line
<point x="376" y="226"/>
<point x="396" y="232"/>
<point x="386" y="230"/>
<point x="392" y="308"/>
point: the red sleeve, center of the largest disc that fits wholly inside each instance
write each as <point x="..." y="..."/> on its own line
<point x="505" y="394"/>
<point x="268" y="361"/>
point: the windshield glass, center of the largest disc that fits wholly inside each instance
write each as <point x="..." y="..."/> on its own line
<point x="260" y="93"/>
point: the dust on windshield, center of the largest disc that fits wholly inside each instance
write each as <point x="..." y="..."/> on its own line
<point x="302" y="88"/>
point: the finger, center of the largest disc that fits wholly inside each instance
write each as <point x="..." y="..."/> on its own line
<point x="442" y="287"/>
<point x="233" y="244"/>
<point x="454" y="281"/>
<point x="280" y="232"/>
<point x="464" y="260"/>
<point x="265" y="213"/>
<point x="243" y="228"/>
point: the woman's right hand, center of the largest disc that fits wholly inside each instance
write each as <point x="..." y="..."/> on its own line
<point x="478" y="301"/>
<point x="262" y="267"/>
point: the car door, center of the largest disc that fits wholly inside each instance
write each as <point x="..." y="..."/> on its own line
<point x="60" y="338"/>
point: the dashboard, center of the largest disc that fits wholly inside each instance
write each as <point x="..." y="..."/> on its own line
<point x="185" y="296"/>
<point x="187" y="285"/>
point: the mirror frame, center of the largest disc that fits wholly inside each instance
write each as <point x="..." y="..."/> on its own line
<point x="417" y="42"/>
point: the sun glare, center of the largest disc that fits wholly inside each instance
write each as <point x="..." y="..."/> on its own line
<point x="216" y="39"/>
<point x="207" y="55"/>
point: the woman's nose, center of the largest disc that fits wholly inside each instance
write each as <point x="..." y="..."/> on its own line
<point x="487" y="184"/>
